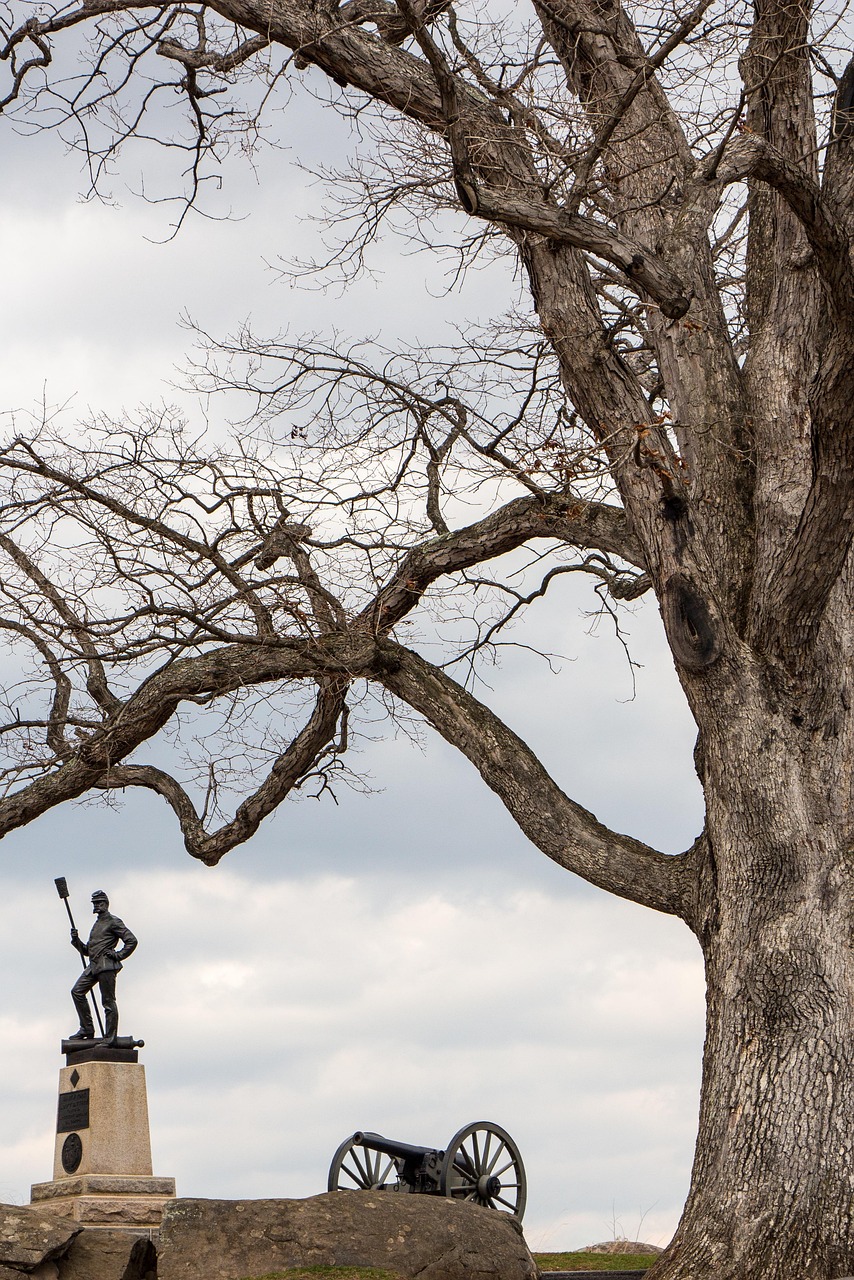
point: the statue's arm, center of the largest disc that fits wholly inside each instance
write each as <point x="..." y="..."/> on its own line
<point x="78" y="943"/>
<point x="129" y="942"/>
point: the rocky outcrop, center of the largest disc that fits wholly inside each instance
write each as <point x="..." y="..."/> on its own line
<point x="32" y="1242"/>
<point x="44" y="1271"/>
<point x="424" y="1236"/>
<point x="403" y="1236"/>
<point x="109" y="1255"/>
<point x="45" y="1246"/>
<point x="622" y="1246"/>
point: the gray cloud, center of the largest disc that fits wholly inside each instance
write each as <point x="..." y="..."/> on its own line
<point x="280" y="1015"/>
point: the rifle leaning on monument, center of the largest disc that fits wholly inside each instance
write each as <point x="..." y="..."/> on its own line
<point x="62" y="890"/>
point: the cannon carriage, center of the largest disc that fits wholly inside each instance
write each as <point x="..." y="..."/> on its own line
<point x="481" y="1164"/>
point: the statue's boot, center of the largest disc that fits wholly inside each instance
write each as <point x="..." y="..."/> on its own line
<point x="79" y="994"/>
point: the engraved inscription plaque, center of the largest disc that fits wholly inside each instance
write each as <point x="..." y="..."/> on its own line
<point x="72" y="1153"/>
<point x="73" y="1112"/>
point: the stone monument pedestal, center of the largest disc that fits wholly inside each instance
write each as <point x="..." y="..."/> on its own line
<point x="102" y="1157"/>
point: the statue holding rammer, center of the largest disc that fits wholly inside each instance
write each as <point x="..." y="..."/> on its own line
<point x="104" y="963"/>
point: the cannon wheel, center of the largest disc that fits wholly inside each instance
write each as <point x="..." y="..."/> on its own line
<point x="356" y="1168"/>
<point x="482" y="1164"/>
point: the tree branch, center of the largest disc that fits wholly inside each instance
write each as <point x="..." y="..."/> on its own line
<point x="644" y="162"/>
<point x="640" y="266"/>
<point x="146" y="711"/>
<point x="97" y="681"/>
<point x="749" y="156"/>
<point x="644" y="271"/>
<point x="58" y="716"/>
<point x="202" y="58"/>
<point x="562" y="829"/>
<point x="790" y="601"/>
<point x="21" y="456"/>
<point x="588" y="525"/>
<point x="287" y="772"/>
<point x="838" y="177"/>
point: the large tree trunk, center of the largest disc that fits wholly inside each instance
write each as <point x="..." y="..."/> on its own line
<point x="772" y="1193"/>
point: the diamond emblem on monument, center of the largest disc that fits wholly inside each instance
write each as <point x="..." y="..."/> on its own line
<point x="74" y="1078"/>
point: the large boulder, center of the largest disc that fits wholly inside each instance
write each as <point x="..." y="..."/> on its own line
<point x="33" y="1242"/>
<point x="407" y="1235"/>
<point x="44" y="1271"/>
<point x="108" y="1255"/>
<point x="622" y="1246"/>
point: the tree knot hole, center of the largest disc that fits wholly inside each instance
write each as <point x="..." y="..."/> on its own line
<point x="692" y="627"/>
<point x="673" y="506"/>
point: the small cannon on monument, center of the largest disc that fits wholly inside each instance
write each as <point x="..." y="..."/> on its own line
<point x="481" y="1164"/>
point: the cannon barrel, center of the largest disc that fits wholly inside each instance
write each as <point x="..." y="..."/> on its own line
<point x="391" y="1147"/>
<point x="120" y="1042"/>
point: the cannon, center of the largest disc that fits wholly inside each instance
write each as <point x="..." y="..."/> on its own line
<point x="481" y="1164"/>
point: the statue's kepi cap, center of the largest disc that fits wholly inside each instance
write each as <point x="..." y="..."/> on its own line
<point x="99" y="893"/>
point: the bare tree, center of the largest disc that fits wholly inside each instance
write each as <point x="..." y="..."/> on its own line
<point x="676" y="185"/>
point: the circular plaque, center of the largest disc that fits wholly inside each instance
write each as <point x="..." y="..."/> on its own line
<point x="72" y="1153"/>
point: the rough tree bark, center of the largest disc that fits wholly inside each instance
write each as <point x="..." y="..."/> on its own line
<point x="728" y="441"/>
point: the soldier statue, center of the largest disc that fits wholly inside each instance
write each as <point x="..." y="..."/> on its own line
<point x="104" y="963"/>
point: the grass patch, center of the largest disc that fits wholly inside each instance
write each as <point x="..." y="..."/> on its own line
<point x="594" y="1261"/>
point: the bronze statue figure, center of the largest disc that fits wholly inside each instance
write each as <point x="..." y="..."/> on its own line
<point x="104" y="962"/>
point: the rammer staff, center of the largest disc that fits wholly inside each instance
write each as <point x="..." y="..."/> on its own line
<point x="62" y="890"/>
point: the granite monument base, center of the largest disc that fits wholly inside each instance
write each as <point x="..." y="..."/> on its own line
<point x="102" y="1175"/>
<point x="104" y="1200"/>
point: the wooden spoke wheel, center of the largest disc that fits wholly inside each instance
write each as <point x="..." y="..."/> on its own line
<point x="482" y="1164"/>
<point x="356" y="1168"/>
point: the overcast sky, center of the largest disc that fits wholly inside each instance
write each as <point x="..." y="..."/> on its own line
<point x="405" y="961"/>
